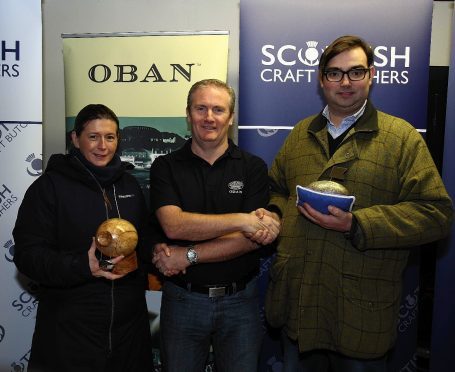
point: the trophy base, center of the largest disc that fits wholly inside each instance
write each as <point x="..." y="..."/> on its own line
<point x="127" y="265"/>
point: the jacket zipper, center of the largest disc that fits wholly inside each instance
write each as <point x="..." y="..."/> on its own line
<point x="108" y="207"/>
<point x="111" y="324"/>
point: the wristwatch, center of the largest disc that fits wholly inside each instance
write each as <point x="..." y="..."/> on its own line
<point x="106" y="265"/>
<point x="191" y="255"/>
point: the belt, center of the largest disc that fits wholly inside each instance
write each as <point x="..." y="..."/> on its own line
<point x="213" y="290"/>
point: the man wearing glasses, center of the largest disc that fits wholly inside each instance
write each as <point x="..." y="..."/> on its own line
<point x="336" y="280"/>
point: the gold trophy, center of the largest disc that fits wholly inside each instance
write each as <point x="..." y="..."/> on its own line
<point x="116" y="237"/>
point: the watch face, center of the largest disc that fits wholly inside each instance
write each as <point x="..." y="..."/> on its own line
<point x="191" y="255"/>
<point x="106" y="265"/>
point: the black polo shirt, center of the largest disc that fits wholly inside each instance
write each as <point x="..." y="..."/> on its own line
<point x="236" y="182"/>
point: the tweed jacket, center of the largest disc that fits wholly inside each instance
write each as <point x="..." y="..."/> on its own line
<point x="330" y="292"/>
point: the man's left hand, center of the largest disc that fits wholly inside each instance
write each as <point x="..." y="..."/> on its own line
<point x="170" y="260"/>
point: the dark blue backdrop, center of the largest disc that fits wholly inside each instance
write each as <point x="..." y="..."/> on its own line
<point x="280" y="46"/>
<point x="399" y="31"/>
<point x="442" y="356"/>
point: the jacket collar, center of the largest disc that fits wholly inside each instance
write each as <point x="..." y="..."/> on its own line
<point x="368" y="122"/>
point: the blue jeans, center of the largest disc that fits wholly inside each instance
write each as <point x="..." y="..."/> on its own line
<point x="325" y="360"/>
<point x="190" y="322"/>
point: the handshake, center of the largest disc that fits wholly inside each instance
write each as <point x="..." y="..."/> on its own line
<point x="219" y="238"/>
<point x="263" y="228"/>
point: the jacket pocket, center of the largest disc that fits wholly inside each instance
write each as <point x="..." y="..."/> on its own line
<point x="368" y="314"/>
<point x="276" y="299"/>
<point x="370" y="293"/>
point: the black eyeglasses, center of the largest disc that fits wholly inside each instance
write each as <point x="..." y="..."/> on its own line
<point x="354" y="74"/>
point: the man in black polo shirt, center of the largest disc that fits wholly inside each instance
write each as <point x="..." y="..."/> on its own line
<point x="208" y="198"/>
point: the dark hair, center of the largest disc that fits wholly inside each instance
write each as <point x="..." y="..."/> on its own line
<point x="93" y="112"/>
<point x="215" y="83"/>
<point x="341" y="45"/>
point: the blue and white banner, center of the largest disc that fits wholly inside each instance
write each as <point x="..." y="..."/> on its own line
<point x="442" y="357"/>
<point x="280" y="46"/>
<point x="21" y="163"/>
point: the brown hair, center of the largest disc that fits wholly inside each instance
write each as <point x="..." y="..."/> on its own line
<point x="341" y="45"/>
<point x="92" y="112"/>
<point x="208" y="83"/>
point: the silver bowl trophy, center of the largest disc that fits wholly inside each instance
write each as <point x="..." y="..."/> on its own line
<point x="321" y="194"/>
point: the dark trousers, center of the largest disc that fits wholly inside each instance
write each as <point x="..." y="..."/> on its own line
<point x="191" y="322"/>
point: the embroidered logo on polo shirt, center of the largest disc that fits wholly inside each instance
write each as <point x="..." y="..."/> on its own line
<point x="235" y="187"/>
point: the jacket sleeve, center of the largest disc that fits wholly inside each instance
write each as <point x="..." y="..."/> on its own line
<point x="423" y="211"/>
<point x="38" y="252"/>
<point x="279" y="192"/>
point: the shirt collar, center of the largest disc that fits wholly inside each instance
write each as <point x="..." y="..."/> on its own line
<point x="232" y="151"/>
<point x="346" y="123"/>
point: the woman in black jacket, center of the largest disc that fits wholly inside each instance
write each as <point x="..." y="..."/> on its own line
<point x="88" y="318"/>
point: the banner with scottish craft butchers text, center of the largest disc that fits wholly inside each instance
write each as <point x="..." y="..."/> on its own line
<point x="279" y="86"/>
<point x="21" y="163"/>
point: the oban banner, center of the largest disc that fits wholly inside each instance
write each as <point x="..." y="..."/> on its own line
<point x="280" y="46"/>
<point x="442" y="356"/>
<point x="144" y="78"/>
<point x="21" y="164"/>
